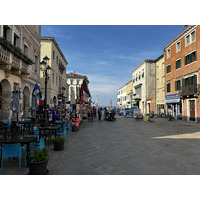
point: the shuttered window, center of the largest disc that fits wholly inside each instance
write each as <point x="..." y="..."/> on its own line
<point x="177" y="85"/>
<point x="191" y="58"/>
<point x="178" y="64"/>
<point x="168" y="69"/>
<point x="168" y="87"/>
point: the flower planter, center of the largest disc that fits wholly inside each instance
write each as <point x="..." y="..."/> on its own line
<point x="37" y="168"/>
<point x="58" y="146"/>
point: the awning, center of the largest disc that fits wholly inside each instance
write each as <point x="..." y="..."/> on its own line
<point x="137" y="86"/>
<point x="172" y="101"/>
<point x="134" y="102"/>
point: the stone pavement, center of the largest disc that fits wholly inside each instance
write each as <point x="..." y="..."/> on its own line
<point x="126" y="147"/>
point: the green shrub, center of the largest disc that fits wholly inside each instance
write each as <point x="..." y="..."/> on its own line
<point x="58" y="139"/>
<point x="39" y="156"/>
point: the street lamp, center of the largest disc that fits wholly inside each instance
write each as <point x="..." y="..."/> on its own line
<point x="46" y="71"/>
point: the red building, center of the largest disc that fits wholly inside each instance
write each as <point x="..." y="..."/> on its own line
<point x="182" y="66"/>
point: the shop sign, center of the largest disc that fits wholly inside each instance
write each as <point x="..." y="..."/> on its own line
<point x="172" y="96"/>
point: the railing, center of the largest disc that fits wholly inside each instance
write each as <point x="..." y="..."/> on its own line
<point x="15" y="62"/>
<point x="4" y="54"/>
<point x="190" y="90"/>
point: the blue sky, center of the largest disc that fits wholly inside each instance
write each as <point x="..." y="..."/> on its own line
<point x="108" y="54"/>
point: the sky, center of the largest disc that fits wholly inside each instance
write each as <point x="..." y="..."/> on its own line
<point x="107" y="54"/>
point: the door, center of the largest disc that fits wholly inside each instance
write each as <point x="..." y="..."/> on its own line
<point x="192" y="110"/>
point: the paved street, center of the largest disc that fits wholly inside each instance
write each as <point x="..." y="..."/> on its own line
<point x="126" y="147"/>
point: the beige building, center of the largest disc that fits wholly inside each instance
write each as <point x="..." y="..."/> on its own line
<point x="121" y="97"/>
<point x="75" y="81"/>
<point x="160" y="85"/>
<point x="57" y="85"/>
<point x="129" y="94"/>
<point x="144" y="86"/>
<point x="19" y="64"/>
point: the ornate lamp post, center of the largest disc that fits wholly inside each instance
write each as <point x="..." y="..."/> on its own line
<point x="46" y="71"/>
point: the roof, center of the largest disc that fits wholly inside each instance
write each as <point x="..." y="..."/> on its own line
<point x="189" y="27"/>
<point x="43" y="38"/>
<point x="160" y="57"/>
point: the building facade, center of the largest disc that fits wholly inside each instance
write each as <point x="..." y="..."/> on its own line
<point x="57" y="85"/>
<point x="121" y="97"/>
<point x="143" y="77"/>
<point x="129" y="94"/>
<point x="160" y="86"/>
<point x="75" y="81"/>
<point x="19" y="64"/>
<point x="182" y="75"/>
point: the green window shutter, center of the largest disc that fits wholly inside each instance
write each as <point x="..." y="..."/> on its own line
<point x="195" y="55"/>
<point x="183" y="82"/>
<point x="190" y="58"/>
<point x="180" y="63"/>
<point x="195" y="79"/>
<point x="177" y="64"/>
<point x="170" y="68"/>
<point x="167" y="70"/>
<point x="185" y="60"/>
<point x="190" y="81"/>
<point x="176" y="85"/>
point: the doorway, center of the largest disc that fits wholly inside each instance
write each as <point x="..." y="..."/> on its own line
<point x="192" y="110"/>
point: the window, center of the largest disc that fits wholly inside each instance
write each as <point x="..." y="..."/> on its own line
<point x="139" y="75"/>
<point x="168" y="69"/>
<point x="77" y="82"/>
<point x="71" y="82"/>
<point x="7" y="33"/>
<point x="157" y="69"/>
<point x="157" y="81"/>
<point x="168" y="87"/>
<point x="163" y="93"/>
<point x="157" y="94"/>
<point x="52" y="78"/>
<point x="190" y="38"/>
<point x="25" y="50"/>
<point x="190" y="58"/>
<point x="36" y="63"/>
<point x="193" y="36"/>
<point x="178" y="64"/>
<point x="16" y="41"/>
<point x="163" y="80"/>
<point x="177" y="85"/>
<point x="53" y="54"/>
<point x="56" y="59"/>
<point x="163" y="66"/>
<point x="168" y="53"/>
<point x="178" y="46"/>
<point x="56" y="81"/>
<point x="187" y="40"/>
<point x="133" y="79"/>
<point x="142" y="73"/>
<point x="136" y="77"/>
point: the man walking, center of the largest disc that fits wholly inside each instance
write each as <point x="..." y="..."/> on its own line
<point x="99" y="113"/>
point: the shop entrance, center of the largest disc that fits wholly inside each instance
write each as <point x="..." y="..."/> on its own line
<point x="192" y="110"/>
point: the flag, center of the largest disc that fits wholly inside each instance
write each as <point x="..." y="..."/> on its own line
<point x="41" y="100"/>
<point x="37" y="89"/>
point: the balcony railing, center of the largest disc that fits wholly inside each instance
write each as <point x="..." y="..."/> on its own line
<point x="4" y="54"/>
<point x="190" y="90"/>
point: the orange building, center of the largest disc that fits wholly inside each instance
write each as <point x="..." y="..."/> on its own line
<point x="182" y="66"/>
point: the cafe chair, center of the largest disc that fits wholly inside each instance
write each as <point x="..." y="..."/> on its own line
<point x="39" y="145"/>
<point x="68" y="127"/>
<point x="13" y="150"/>
<point x="62" y="131"/>
<point x="36" y="130"/>
<point x="27" y="122"/>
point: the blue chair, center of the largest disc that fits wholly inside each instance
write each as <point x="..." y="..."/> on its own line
<point x="36" y="130"/>
<point x="27" y="122"/>
<point x="62" y="131"/>
<point x="68" y="127"/>
<point x="13" y="150"/>
<point x="39" y="145"/>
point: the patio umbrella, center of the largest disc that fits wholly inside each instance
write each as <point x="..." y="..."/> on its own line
<point x="16" y="102"/>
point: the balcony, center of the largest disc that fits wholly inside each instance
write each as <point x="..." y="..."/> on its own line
<point x="12" y="59"/>
<point x="136" y="96"/>
<point x="190" y="90"/>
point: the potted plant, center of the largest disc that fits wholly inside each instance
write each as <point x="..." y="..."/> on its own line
<point x="37" y="162"/>
<point x="58" y="143"/>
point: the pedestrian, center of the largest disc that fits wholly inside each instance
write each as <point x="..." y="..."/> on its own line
<point x="99" y="113"/>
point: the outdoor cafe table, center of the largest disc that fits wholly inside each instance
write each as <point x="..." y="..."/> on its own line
<point x="24" y="140"/>
<point x="49" y="130"/>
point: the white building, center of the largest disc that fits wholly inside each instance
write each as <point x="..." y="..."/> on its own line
<point x="121" y="97"/>
<point x="75" y="81"/>
<point x="144" y="86"/>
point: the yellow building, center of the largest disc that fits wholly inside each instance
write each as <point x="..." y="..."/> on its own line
<point x="129" y="91"/>
<point x="160" y="85"/>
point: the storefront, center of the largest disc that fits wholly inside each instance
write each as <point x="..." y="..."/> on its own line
<point x="160" y="110"/>
<point x="174" y="106"/>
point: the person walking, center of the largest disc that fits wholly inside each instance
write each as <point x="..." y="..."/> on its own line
<point x="99" y="113"/>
